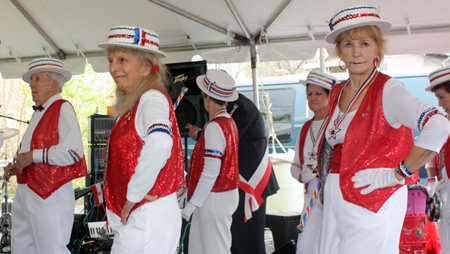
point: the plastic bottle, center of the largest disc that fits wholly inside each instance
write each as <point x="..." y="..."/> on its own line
<point x="110" y="106"/>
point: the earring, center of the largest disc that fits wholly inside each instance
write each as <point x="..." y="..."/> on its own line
<point x="376" y="62"/>
<point x="340" y="66"/>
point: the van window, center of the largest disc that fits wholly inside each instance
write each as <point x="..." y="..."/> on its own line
<point x="282" y="100"/>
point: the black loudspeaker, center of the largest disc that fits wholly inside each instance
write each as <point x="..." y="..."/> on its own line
<point x="190" y="109"/>
<point x="283" y="226"/>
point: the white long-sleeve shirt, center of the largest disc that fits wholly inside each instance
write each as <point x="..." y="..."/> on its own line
<point x="69" y="136"/>
<point x="153" y="108"/>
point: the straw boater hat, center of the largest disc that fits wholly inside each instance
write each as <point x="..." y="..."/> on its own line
<point x="438" y="77"/>
<point x="321" y="79"/>
<point x="46" y="64"/>
<point x="135" y="38"/>
<point x="355" y="16"/>
<point x="218" y="84"/>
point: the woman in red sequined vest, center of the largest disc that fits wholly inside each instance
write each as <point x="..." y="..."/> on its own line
<point x="374" y="154"/>
<point x="439" y="168"/>
<point x="145" y="160"/>
<point x="213" y="176"/>
<point x="304" y="168"/>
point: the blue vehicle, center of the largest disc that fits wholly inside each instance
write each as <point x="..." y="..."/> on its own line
<point x="289" y="105"/>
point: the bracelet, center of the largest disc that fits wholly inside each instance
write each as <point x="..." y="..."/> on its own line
<point x="398" y="171"/>
<point x="196" y="132"/>
<point x="431" y="178"/>
<point x="404" y="169"/>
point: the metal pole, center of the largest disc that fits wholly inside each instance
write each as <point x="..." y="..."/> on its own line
<point x="197" y="19"/>
<point x="238" y="19"/>
<point x="254" y="59"/>
<point x="322" y="60"/>
<point x="59" y="51"/>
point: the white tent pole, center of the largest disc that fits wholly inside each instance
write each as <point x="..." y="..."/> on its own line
<point x="254" y="62"/>
<point x="322" y="60"/>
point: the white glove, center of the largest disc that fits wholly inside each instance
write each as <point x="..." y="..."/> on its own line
<point x="376" y="178"/>
<point x="432" y="188"/>
<point x="187" y="211"/>
<point x="307" y="174"/>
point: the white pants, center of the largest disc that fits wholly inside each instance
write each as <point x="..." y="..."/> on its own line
<point x="308" y="240"/>
<point x="442" y="190"/>
<point x="210" y="228"/>
<point x="42" y="226"/>
<point x="152" y="228"/>
<point x="351" y="229"/>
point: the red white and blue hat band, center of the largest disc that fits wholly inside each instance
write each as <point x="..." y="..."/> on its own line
<point x="45" y="65"/>
<point x="133" y="37"/>
<point x="320" y="79"/>
<point x="45" y="62"/>
<point x="438" y="77"/>
<point x="350" y="14"/>
<point x="216" y="89"/>
<point x="137" y="36"/>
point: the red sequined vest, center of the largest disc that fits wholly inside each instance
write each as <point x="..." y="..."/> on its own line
<point x="125" y="146"/>
<point x="228" y="178"/>
<point x="301" y="141"/>
<point x="371" y="142"/>
<point x="42" y="178"/>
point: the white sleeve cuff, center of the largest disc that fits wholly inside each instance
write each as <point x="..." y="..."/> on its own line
<point x="40" y="156"/>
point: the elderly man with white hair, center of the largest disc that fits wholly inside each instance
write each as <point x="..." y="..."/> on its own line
<point x="50" y="156"/>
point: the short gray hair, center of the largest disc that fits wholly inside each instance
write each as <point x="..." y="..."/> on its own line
<point x="58" y="77"/>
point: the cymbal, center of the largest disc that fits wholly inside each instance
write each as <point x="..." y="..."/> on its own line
<point x="8" y="132"/>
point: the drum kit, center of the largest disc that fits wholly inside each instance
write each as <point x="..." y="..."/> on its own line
<point x="6" y="219"/>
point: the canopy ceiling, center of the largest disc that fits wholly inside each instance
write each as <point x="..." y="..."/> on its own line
<point x="29" y="28"/>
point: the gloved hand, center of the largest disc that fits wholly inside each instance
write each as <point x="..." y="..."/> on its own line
<point x="376" y="178"/>
<point x="187" y="211"/>
<point x="182" y="197"/>
<point x="307" y="174"/>
<point x="432" y="188"/>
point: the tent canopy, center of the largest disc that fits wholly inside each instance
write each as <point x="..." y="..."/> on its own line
<point x="218" y="30"/>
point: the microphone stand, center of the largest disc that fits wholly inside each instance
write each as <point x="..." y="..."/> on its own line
<point x="27" y="122"/>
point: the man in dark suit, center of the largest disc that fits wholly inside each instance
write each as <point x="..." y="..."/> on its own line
<point x="247" y="228"/>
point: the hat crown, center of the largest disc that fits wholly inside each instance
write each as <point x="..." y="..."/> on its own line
<point x="354" y="14"/>
<point x="133" y="37"/>
<point x="46" y="64"/>
<point x="218" y="84"/>
<point x="321" y="79"/>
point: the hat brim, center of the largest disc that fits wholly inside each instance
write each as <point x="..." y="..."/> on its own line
<point x="304" y="82"/>
<point x="106" y="45"/>
<point x="384" y="26"/>
<point x="66" y="73"/>
<point x="199" y="82"/>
